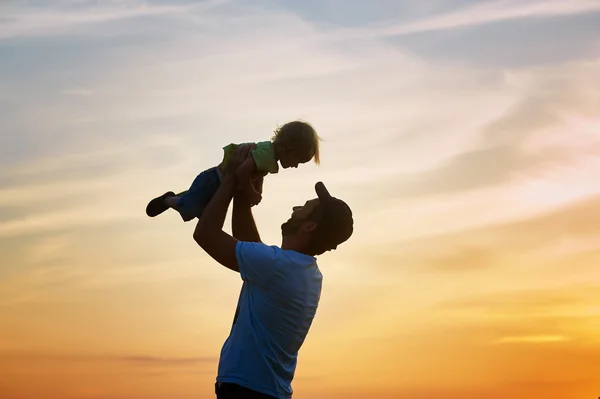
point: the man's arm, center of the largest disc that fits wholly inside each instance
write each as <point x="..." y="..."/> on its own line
<point x="209" y="232"/>
<point x="242" y="221"/>
<point x="244" y="176"/>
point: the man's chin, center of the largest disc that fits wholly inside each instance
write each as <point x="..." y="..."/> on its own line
<point x="288" y="228"/>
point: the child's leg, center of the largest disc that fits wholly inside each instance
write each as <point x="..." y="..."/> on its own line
<point x="191" y="203"/>
<point x="159" y="204"/>
<point x="172" y="202"/>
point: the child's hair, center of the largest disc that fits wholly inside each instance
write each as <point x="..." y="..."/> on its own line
<point x="300" y="135"/>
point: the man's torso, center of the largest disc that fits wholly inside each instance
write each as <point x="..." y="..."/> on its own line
<point x="271" y="322"/>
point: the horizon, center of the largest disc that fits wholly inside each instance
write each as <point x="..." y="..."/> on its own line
<point x="464" y="135"/>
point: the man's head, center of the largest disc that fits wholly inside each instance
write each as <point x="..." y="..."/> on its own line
<point x="320" y="225"/>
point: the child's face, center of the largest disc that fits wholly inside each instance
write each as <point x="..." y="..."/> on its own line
<point x="291" y="158"/>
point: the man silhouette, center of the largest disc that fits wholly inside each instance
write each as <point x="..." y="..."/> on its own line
<point x="281" y="285"/>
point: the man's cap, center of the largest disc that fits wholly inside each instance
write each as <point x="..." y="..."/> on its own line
<point x="337" y="223"/>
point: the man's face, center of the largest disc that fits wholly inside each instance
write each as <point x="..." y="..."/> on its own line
<point x="299" y="216"/>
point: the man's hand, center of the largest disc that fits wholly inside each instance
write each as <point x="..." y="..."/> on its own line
<point x="254" y="197"/>
<point x="242" y="221"/>
<point x="258" y="180"/>
<point x="241" y="196"/>
<point x="241" y="167"/>
<point x="238" y="156"/>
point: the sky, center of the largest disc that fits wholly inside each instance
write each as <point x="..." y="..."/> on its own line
<point x="465" y="135"/>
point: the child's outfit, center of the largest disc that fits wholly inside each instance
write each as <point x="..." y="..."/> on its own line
<point x="192" y="202"/>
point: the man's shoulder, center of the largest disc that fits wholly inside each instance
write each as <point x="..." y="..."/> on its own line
<point x="257" y="261"/>
<point x="257" y="250"/>
<point x="258" y="246"/>
<point x="264" y="252"/>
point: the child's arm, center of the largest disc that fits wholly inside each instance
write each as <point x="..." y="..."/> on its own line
<point x="244" y="176"/>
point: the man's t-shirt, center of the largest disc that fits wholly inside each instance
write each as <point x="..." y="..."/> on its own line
<point x="277" y="304"/>
<point x="263" y="154"/>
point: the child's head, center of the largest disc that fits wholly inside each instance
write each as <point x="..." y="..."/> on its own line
<point x="295" y="143"/>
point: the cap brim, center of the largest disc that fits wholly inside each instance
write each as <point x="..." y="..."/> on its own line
<point x="322" y="192"/>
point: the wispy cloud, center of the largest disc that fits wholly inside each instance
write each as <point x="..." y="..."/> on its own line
<point x="44" y="20"/>
<point x="139" y="360"/>
<point x="484" y="13"/>
<point x="549" y="238"/>
<point x="529" y="303"/>
<point x="534" y="339"/>
<point x="78" y="92"/>
<point x="153" y="360"/>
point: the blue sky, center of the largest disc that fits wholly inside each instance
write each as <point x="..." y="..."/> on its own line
<point x="144" y="92"/>
<point x="63" y="47"/>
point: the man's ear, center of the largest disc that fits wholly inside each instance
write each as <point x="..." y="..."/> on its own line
<point x="309" y="226"/>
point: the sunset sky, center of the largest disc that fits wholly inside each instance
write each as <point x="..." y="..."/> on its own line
<point x="464" y="134"/>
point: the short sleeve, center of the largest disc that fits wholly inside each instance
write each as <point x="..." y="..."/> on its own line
<point x="264" y="157"/>
<point x="257" y="261"/>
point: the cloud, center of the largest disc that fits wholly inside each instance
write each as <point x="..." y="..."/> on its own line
<point x="561" y="301"/>
<point x="488" y="34"/>
<point x="548" y="240"/>
<point x="536" y="132"/>
<point x="509" y="45"/>
<point x="88" y="375"/>
<point x="136" y="360"/>
<point x="256" y="76"/>
<point x="88" y="167"/>
<point x="486" y="13"/>
<point x="575" y="220"/>
<point x="550" y="97"/>
<point x="101" y="120"/>
<point x="79" y="92"/>
<point x="63" y="220"/>
<point x="533" y="339"/>
<point x="429" y="360"/>
<point x="472" y="170"/>
<point x="46" y="20"/>
<point x="523" y="388"/>
<point x="461" y="259"/>
<point x="152" y="360"/>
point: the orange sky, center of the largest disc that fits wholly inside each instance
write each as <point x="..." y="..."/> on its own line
<point x="464" y="134"/>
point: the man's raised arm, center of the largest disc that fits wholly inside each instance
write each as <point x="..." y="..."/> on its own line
<point x="209" y="232"/>
<point x="243" y="226"/>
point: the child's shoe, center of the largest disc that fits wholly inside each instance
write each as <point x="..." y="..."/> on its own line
<point x="158" y="205"/>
